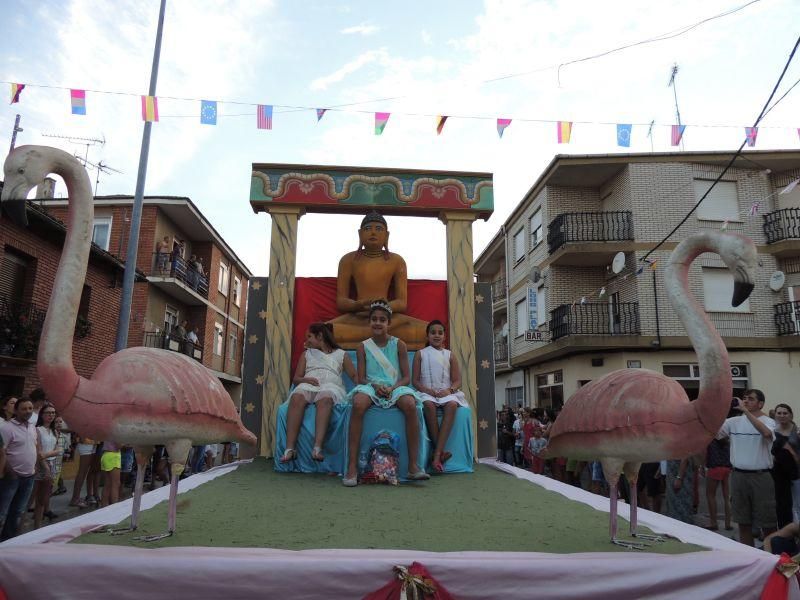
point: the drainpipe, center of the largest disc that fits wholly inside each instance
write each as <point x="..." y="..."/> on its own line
<point x="655" y="296"/>
<point x="508" y="298"/>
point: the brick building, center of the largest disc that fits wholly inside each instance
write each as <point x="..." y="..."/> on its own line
<point x="173" y="291"/>
<point x="565" y="314"/>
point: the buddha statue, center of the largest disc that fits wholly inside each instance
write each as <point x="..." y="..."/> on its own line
<point x="368" y="274"/>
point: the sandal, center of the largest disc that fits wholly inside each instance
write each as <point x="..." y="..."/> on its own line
<point x="350" y="481"/>
<point x="316" y="454"/>
<point x="78" y="503"/>
<point x="418" y="476"/>
<point x="446" y="456"/>
<point x="438" y="466"/>
<point x="288" y="455"/>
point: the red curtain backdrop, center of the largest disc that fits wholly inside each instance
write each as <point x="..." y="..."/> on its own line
<point x="315" y="300"/>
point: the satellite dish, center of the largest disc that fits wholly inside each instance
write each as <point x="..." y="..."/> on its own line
<point x="535" y="274"/>
<point x="618" y="263"/>
<point x="504" y="331"/>
<point x="776" y="281"/>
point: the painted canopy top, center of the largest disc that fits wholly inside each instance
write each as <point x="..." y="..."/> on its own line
<point x="355" y="190"/>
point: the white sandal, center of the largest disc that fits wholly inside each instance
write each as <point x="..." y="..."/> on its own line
<point x="288" y="456"/>
<point x="316" y="454"/>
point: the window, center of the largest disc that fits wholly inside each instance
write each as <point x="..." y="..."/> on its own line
<point x="101" y="232"/>
<point x="13" y="276"/>
<point x="718" y="291"/>
<point x="522" y="317"/>
<point x="688" y="375"/>
<point x="536" y="228"/>
<point x="519" y="245"/>
<point x="232" y="339"/>
<point x="237" y="290"/>
<point x="541" y="305"/>
<point x="170" y="318"/>
<point x="218" y="338"/>
<point x="515" y="396"/>
<point x="86" y="299"/>
<point x="614" y="317"/>
<point x="550" y="390"/>
<point x="721" y="204"/>
<point x="223" y="279"/>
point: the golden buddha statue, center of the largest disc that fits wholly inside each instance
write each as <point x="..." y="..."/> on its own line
<point x="372" y="273"/>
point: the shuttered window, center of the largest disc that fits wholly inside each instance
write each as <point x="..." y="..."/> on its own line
<point x="12" y="276"/>
<point x="718" y="291"/>
<point x="721" y="204"/>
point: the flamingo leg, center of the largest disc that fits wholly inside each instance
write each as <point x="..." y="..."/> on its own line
<point x="611" y="469"/>
<point x="142" y="456"/>
<point x="633" y="481"/>
<point x="178" y="453"/>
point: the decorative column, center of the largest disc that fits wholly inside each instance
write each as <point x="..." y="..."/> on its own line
<point x="461" y="303"/>
<point x="280" y="304"/>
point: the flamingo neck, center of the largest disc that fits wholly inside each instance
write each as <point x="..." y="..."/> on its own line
<point x="55" y="367"/>
<point x="716" y="388"/>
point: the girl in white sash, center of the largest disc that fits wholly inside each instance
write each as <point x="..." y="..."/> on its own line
<point x="383" y="371"/>
<point x="438" y="380"/>
<point x="318" y="378"/>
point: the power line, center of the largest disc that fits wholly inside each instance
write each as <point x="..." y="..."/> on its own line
<point x="761" y="115"/>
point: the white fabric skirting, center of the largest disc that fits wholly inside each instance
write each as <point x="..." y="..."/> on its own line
<point x="73" y="571"/>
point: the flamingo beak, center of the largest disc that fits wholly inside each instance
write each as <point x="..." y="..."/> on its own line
<point x="741" y="291"/>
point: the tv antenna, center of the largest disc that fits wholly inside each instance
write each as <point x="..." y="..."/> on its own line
<point x="672" y="77"/>
<point x="100" y="167"/>
<point x="80" y="141"/>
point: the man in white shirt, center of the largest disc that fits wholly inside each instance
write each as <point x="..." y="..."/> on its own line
<point x="752" y="489"/>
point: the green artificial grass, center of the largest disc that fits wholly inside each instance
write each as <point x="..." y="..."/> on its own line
<point x="487" y="510"/>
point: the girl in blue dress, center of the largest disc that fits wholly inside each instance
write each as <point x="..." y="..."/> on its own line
<point x="384" y="375"/>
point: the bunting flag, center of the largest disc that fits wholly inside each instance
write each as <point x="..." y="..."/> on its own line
<point x="264" y="116"/>
<point x="208" y="112"/>
<point x="752" y="134"/>
<point x="78" y="100"/>
<point x="677" y="134"/>
<point x="564" y="129"/>
<point x="624" y="134"/>
<point x="149" y="108"/>
<point x="754" y="208"/>
<point x="502" y="124"/>
<point x="640" y="270"/>
<point x="320" y="113"/>
<point x="440" y="120"/>
<point x="788" y="189"/>
<point x="16" y="90"/>
<point x="654" y="265"/>
<point x="381" y="119"/>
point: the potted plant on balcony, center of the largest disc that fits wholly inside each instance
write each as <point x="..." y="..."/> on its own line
<point x="83" y="327"/>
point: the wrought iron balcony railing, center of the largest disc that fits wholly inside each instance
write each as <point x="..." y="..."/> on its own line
<point x="499" y="289"/>
<point x="595" y="318"/>
<point x="500" y="352"/>
<point x="179" y="268"/>
<point x="782" y="225"/>
<point x="20" y="328"/>
<point x="607" y="226"/>
<point x="787" y="318"/>
<point x="171" y="342"/>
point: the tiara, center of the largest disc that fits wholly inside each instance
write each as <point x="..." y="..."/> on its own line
<point x="381" y="304"/>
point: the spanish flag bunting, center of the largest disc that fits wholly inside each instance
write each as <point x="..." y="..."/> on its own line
<point x="564" y="129"/>
<point x="654" y="265"/>
<point x="320" y="113"/>
<point x="381" y="118"/>
<point x="149" y="108"/>
<point x="16" y="90"/>
<point x="501" y="126"/>
<point x="440" y="120"/>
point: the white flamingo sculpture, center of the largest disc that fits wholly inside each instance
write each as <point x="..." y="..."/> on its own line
<point x="138" y="396"/>
<point x="632" y="416"/>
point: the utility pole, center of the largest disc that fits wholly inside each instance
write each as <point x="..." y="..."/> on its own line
<point x="17" y="129"/>
<point x="138" y="199"/>
<point x="671" y="83"/>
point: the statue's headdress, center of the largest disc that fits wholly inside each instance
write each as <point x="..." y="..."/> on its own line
<point x="381" y="305"/>
<point x="373" y="216"/>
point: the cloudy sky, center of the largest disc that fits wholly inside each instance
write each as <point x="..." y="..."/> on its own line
<point x="489" y="59"/>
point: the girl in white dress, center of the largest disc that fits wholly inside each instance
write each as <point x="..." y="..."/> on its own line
<point x="318" y="381"/>
<point x="438" y="379"/>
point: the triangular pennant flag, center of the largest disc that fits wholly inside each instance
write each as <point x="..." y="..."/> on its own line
<point x="264" y="116"/>
<point x="754" y="208"/>
<point x="16" y="90"/>
<point x="654" y="265"/>
<point x="381" y="118"/>
<point x="320" y="113"/>
<point x="640" y="270"/>
<point x="624" y="134"/>
<point x="149" y="108"/>
<point x="752" y="134"/>
<point x="564" y="129"/>
<point x="208" y="112"/>
<point x="440" y="120"/>
<point x="788" y="189"/>
<point x="501" y="126"/>
<point x="677" y="134"/>
<point x="78" y="100"/>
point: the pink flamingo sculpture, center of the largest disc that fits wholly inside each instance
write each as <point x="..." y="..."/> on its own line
<point x="138" y="396"/>
<point x="632" y="416"/>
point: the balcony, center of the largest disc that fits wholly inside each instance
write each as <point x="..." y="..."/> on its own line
<point x="178" y="279"/>
<point x="20" y="328"/>
<point x="731" y="324"/>
<point x="787" y="318"/>
<point x="498" y="290"/>
<point x="595" y="318"/>
<point x="166" y="342"/>
<point x="500" y="352"/>
<point x="782" y="229"/>
<point x="588" y="238"/>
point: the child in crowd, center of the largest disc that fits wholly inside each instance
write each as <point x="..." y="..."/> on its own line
<point x="437" y="378"/>
<point x="318" y="378"/>
<point x="383" y="371"/>
<point x="536" y="445"/>
<point x="111" y="465"/>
